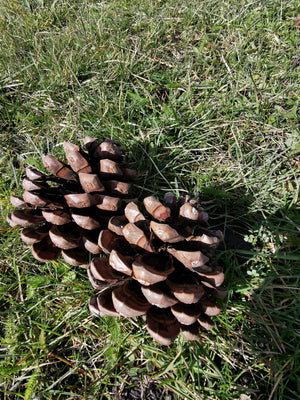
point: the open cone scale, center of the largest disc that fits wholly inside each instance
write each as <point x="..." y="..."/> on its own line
<point x="154" y="260"/>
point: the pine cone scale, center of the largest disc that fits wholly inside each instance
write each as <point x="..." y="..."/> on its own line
<point x="129" y="301"/>
<point x="162" y="325"/>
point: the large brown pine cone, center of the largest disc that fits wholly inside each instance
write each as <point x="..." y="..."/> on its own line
<point x="64" y="212"/>
<point x="161" y="266"/>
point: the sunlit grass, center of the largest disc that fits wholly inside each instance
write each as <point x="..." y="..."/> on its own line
<point x="205" y="97"/>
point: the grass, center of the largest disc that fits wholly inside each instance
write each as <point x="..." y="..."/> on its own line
<point x="205" y="97"/>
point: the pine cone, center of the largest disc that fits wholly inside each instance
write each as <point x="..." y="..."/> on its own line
<point x="160" y="266"/>
<point x="64" y="212"/>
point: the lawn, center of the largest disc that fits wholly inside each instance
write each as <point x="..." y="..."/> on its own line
<point x="204" y="96"/>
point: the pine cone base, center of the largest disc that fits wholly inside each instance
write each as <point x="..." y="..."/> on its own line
<point x="160" y="266"/>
